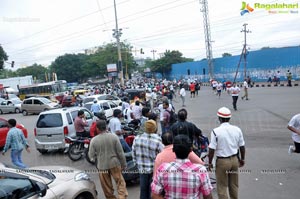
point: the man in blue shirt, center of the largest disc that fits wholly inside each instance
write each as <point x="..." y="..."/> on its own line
<point x="95" y="108"/>
<point x="16" y="141"/>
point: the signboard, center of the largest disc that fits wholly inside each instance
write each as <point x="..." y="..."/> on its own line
<point x="111" y="68"/>
<point x="113" y="74"/>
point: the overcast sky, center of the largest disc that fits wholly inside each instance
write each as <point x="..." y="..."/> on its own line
<point x="37" y="31"/>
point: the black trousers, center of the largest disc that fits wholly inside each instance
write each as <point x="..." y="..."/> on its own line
<point x="234" y="100"/>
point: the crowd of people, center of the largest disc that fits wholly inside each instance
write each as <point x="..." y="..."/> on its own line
<point x="167" y="159"/>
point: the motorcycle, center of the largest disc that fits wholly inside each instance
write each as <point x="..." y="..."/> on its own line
<point x="78" y="148"/>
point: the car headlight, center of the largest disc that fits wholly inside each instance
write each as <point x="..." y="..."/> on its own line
<point x="82" y="176"/>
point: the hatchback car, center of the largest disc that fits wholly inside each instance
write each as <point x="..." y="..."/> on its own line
<point x="106" y="105"/>
<point x="4" y="130"/>
<point x="37" y="105"/>
<point x="48" y="182"/>
<point x="101" y="97"/>
<point x="11" y="106"/>
<point x="52" y="126"/>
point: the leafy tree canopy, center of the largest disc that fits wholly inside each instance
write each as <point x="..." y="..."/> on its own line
<point x="3" y="57"/>
<point x="164" y="64"/>
<point x="36" y="70"/>
<point x="226" y="55"/>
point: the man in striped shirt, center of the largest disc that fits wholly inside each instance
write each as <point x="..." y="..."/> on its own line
<point x="181" y="178"/>
<point x="144" y="150"/>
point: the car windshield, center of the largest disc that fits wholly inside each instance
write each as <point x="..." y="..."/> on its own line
<point x="16" y="101"/>
<point x="88" y="99"/>
<point x="50" y="120"/>
<point x="45" y="100"/>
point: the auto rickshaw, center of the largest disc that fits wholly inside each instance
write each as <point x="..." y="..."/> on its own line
<point x="136" y="94"/>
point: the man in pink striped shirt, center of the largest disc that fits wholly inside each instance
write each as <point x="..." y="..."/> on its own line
<point x="181" y="178"/>
<point x="167" y="155"/>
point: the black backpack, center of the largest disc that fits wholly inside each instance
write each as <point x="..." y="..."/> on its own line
<point x="173" y="117"/>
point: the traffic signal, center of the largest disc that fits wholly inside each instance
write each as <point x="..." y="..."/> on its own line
<point x="12" y="64"/>
<point x="142" y="52"/>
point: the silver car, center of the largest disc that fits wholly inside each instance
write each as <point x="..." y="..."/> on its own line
<point x="11" y="106"/>
<point x="47" y="182"/>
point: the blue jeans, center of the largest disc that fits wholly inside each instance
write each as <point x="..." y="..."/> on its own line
<point x="145" y="186"/>
<point x="17" y="159"/>
<point x="125" y="146"/>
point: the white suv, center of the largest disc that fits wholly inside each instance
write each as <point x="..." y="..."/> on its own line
<point x="106" y="105"/>
<point x="52" y="126"/>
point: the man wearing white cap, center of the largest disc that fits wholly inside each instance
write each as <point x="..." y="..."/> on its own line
<point x="228" y="143"/>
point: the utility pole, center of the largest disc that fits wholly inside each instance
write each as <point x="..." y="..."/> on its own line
<point x="153" y="51"/>
<point x="243" y="54"/>
<point x="117" y="34"/>
<point x="208" y="46"/>
<point x="245" y="51"/>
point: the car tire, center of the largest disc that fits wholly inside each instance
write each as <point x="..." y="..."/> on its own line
<point x="42" y="151"/>
<point x="17" y="110"/>
<point x="24" y="112"/>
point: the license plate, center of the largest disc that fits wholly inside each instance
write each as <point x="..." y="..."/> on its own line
<point x="86" y="146"/>
<point x="51" y="147"/>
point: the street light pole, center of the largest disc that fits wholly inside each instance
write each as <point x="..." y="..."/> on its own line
<point x="117" y="34"/>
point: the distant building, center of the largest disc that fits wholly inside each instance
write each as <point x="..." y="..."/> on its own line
<point x="258" y="64"/>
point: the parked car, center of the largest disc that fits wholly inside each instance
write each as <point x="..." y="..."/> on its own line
<point x="101" y="97"/>
<point x="4" y="130"/>
<point x="68" y="101"/>
<point x="49" y="182"/>
<point x="37" y="105"/>
<point x="52" y="126"/>
<point x="10" y="106"/>
<point x="106" y="105"/>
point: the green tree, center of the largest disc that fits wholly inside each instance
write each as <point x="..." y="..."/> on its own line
<point x="36" y="70"/>
<point x="3" y="57"/>
<point x="164" y="64"/>
<point x="80" y="67"/>
<point x="226" y="55"/>
<point x="70" y="67"/>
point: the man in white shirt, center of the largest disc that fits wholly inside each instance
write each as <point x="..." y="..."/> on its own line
<point x="137" y="110"/>
<point x="245" y="85"/>
<point x="228" y="144"/>
<point x="182" y="94"/>
<point x="234" y="90"/>
<point x="115" y="127"/>
<point x="294" y="126"/>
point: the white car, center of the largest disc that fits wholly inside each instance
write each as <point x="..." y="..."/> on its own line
<point x="107" y="105"/>
<point x="48" y="182"/>
<point x="11" y="106"/>
<point x="101" y="97"/>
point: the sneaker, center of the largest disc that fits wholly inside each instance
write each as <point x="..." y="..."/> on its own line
<point x="291" y="149"/>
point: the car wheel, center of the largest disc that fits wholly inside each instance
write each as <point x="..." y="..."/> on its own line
<point x="42" y="151"/>
<point x="24" y="112"/>
<point x="17" y="110"/>
<point x="46" y="109"/>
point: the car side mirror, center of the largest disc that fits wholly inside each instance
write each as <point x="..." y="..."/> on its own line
<point x="41" y="189"/>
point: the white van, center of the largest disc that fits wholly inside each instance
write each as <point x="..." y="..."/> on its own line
<point x="52" y="126"/>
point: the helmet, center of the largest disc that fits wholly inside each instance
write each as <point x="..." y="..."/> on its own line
<point x="95" y="100"/>
<point x="224" y="112"/>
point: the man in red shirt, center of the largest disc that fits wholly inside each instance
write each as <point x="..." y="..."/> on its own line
<point x="79" y="123"/>
<point x="192" y="89"/>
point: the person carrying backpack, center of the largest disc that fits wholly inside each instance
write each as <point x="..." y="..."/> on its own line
<point x="166" y="124"/>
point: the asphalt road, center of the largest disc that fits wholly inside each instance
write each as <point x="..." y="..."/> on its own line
<point x="269" y="171"/>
